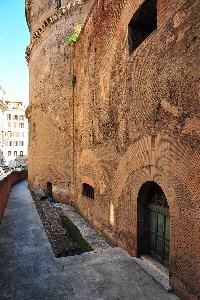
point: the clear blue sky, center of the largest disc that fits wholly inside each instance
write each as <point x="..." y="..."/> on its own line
<point x="14" y="37"/>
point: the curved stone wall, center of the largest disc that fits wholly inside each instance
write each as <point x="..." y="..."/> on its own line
<point x="62" y="11"/>
<point x="104" y="118"/>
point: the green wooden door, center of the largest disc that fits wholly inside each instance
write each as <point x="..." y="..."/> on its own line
<point x="158" y="226"/>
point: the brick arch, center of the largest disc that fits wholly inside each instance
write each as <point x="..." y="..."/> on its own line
<point x="162" y="157"/>
<point x="142" y="216"/>
<point x="126" y="216"/>
<point x="175" y="169"/>
<point x="89" y="158"/>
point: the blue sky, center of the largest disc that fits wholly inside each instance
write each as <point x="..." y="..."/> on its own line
<point x="14" y="37"/>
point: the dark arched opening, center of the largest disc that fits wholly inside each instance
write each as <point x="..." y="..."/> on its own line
<point x="153" y="223"/>
<point x="49" y="189"/>
<point x="142" y="24"/>
<point x="59" y="3"/>
<point x="87" y="191"/>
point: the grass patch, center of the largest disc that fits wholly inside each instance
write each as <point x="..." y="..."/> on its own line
<point x="75" y="234"/>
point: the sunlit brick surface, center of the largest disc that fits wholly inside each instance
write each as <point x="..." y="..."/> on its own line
<point x="129" y="119"/>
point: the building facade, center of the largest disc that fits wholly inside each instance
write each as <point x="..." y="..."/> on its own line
<point x="116" y="118"/>
<point x="3" y="108"/>
<point x="15" y="148"/>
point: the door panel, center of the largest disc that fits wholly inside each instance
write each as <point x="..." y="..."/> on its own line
<point x="159" y="248"/>
<point x="152" y="243"/>
<point x="159" y="227"/>
<point x="160" y="224"/>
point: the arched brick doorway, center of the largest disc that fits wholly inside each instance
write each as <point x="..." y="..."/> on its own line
<point x="153" y="223"/>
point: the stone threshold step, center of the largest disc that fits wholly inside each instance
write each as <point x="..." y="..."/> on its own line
<point x="155" y="270"/>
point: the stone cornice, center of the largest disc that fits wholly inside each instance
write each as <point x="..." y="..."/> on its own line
<point x="62" y="11"/>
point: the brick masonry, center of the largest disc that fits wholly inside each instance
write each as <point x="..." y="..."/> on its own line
<point x="5" y="187"/>
<point x="130" y="119"/>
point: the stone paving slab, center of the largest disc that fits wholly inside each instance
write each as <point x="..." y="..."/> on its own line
<point x="29" y="269"/>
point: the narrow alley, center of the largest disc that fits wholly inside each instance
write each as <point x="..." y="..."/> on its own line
<point x="29" y="269"/>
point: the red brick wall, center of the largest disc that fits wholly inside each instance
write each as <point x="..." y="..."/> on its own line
<point x="6" y="185"/>
<point x="38" y="11"/>
<point x="165" y="9"/>
<point x="50" y="111"/>
<point x="130" y="119"/>
<point x="140" y="115"/>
